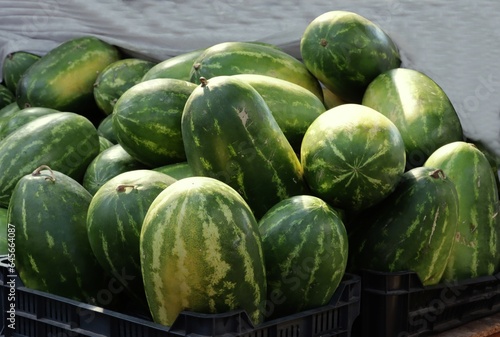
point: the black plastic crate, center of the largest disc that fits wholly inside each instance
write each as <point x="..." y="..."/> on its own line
<point x="40" y="314"/>
<point x="398" y="305"/>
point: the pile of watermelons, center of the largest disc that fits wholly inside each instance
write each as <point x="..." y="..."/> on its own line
<point x="237" y="176"/>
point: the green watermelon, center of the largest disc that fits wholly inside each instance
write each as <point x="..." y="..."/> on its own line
<point x="353" y="156"/>
<point x="231" y="58"/>
<point x="293" y="107"/>
<point x="305" y="251"/>
<point x="230" y="134"/>
<point x="15" y="65"/>
<point x="476" y="250"/>
<point x="105" y="129"/>
<point x="147" y="120"/>
<point x="411" y="230"/>
<point x="117" y="78"/>
<point x="66" y="141"/>
<point x="9" y="110"/>
<point x="53" y="254"/>
<point x="201" y="251"/>
<point x="104" y="144"/>
<point x="63" y="79"/>
<point x="345" y="52"/>
<point x="108" y="164"/>
<point x="178" y="67"/>
<point x="6" y="96"/>
<point x="420" y="109"/>
<point x="4" y="230"/>
<point x="177" y="170"/>
<point x="11" y="123"/>
<point x="114" y="221"/>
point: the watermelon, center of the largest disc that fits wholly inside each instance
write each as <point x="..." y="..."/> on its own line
<point x="63" y="79"/>
<point x="53" y="253"/>
<point x="108" y="164"/>
<point x="345" y="52"/>
<point x="4" y="230"/>
<point x="105" y="129"/>
<point x="353" y="156"/>
<point x="114" y="221"/>
<point x="293" y="107"/>
<point x="178" y="67"/>
<point x="9" y="110"/>
<point x="231" y="58"/>
<point x="476" y="248"/>
<point x="177" y="170"/>
<point x="116" y="78"/>
<point x="201" y="251"/>
<point x="411" y="230"/>
<point x="420" y="109"/>
<point x="305" y="251"/>
<point x="15" y="65"/>
<point x="11" y="123"/>
<point x="66" y="141"/>
<point x="6" y="96"/>
<point x="230" y="134"/>
<point x="147" y="120"/>
<point x="104" y="144"/>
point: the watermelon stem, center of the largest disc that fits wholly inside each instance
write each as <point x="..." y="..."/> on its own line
<point x="203" y="81"/>
<point x="39" y="169"/>
<point x="438" y="173"/>
<point x="122" y="187"/>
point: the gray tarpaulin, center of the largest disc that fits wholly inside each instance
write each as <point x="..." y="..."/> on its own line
<point x="456" y="43"/>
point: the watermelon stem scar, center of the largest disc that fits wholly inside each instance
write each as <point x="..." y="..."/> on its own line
<point x="438" y="174"/>
<point x="122" y="187"/>
<point x="38" y="170"/>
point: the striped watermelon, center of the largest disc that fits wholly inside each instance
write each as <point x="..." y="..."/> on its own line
<point x="476" y="248"/>
<point x="117" y="78"/>
<point x="114" y="221"/>
<point x="177" y="170"/>
<point x="9" y="110"/>
<point x="147" y="120"/>
<point x="420" y="109"/>
<point x="293" y="107"/>
<point x="66" y="141"/>
<point x="230" y="134"/>
<point x="14" y="66"/>
<point x="105" y="129"/>
<point x="53" y="253"/>
<point x="11" y="123"/>
<point x="201" y="251"/>
<point x="4" y="246"/>
<point x="104" y="144"/>
<point x="63" y="79"/>
<point x="346" y="51"/>
<point x="108" y="164"/>
<point x="305" y="252"/>
<point x="411" y="230"/>
<point x="353" y="156"/>
<point x="178" y="67"/>
<point x="6" y="96"/>
<point x="231" y="58"/>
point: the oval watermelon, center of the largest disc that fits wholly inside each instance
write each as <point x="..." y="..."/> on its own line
<point x="476" y="242"/>
<point x="108" y="164"/>
<point x="305" y="252"/>
<point x="117" y="78"/>
<point x="177" y="170"/>
<point x="114" y="221"/>
<point x="353" y="156"/>
<point x="411" y="230"/>
<point x="178" y="67"/>
<point x="420" y="109"/>
<point x="63" y="78"/>
<point x="201" y="251"/>
<point x="147" y="120"/>
<point x="66" y="141"/>
<point x="15" y="65"/>
<point x="229" y="134"/>
<point x="21" y="117"/>
<point x="345" y="52"/>
<point x="53" y="253"/>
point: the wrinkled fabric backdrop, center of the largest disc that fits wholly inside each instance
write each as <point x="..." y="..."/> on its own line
<point x="456" y="43"/>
